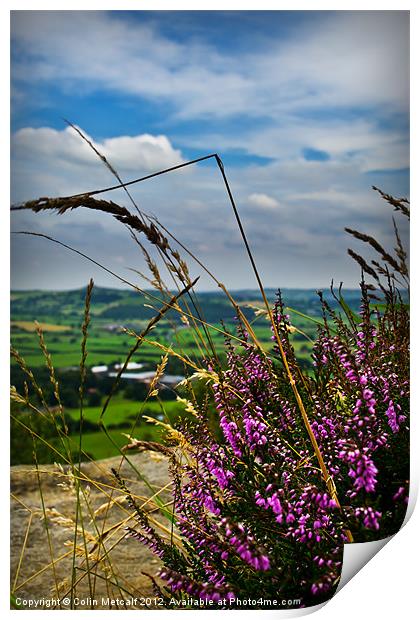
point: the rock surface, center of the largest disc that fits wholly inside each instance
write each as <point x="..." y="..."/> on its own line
<point x="116" y="564"/>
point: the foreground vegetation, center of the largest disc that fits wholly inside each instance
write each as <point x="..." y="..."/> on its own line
<point x="273" y="467"/>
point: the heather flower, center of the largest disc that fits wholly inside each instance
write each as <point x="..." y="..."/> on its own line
<point x="401" y="495"/>
<point x="253" y="510"/>
<point x="245" y="545"/>
<point x="204" y="591"/>
<point x="362" y="471"/>
<point x="371" y="518"/>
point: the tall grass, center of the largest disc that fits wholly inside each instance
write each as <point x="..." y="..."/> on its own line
<point x="272" y="469"/>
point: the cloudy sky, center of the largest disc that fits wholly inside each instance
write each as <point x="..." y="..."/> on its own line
<point x="307" y="110"/>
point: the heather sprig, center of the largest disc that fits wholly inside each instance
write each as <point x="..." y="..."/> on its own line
<point x="254" y="494"/>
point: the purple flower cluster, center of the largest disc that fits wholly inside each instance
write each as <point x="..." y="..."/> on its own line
<point x="395" y="418"/>
<point x="252" y="506"/>
<point x="362" y="420"/>
<point x="369" y="517"/>
<point x="363" y="471"/>
<point x="401" y="495"/>
<point x="203" y="591"/>
<point x="148" y="539"/>
<point x="329" y="566"/>
<point x="244" y="545"/>
<point x="214" y="464"/>
<point x="229" y="426"/>
<point x="306" y="517"/>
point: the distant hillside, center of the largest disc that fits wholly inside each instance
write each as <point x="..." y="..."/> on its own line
<point x="117" y="305"/>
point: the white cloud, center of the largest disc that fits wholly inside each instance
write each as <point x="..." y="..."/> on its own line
<point x="348" y="59"/>
<point x="263" y="201"/>
<point x="338" y="85"/>
<point x="361" y="142"/>
<point x="298" y="244"/>
<point x="141" y="153"/>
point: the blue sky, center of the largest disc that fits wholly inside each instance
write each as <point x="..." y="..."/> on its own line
<point x="307" y="110"/>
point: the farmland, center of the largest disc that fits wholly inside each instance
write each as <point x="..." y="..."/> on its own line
<point x="116" y="317"/>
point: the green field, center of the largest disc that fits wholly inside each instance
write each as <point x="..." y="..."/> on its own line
<point x="122" y="411"/>
<point x="112" y="308"/>
<point x="109" y="348"/>
<point x="61" y="313"/>
<point x="98" y="445"/>
<point x="122" y="417"/>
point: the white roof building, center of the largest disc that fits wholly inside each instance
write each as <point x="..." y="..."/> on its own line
<point x="98" y="369"/>
<point x="130" y="366"/>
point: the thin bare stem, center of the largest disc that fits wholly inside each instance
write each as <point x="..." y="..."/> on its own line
<point x="325" y="474"/>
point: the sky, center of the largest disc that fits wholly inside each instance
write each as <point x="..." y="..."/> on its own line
<point x="307" y="109"/>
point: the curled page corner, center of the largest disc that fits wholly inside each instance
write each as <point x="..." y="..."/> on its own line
<point x="357" y="555"/>
<point x="273" y="614"/>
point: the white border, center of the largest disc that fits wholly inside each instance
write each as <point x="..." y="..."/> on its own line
<point x="388" y="585"/>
